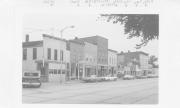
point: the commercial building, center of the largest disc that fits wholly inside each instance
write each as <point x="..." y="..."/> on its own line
<point x="112" y="62"/>
<point x="47" y="56"/>
<point x="76" y="48"/>
<point x="83" y="56"/>
<point x="102" y="53"/>
<point x="90" y="60"/>
<point x="133" y="63"/>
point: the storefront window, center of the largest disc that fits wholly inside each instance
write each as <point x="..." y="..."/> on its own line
<point x="55" y="71"/>
<point x="24" y="54"/>
<point x="59" y="71"/>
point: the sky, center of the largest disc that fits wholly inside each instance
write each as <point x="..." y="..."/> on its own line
<point x="35" y="24"/>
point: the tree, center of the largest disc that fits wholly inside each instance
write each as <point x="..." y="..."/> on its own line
<point x="144" y="26"/>
<point x="152" y="60"/>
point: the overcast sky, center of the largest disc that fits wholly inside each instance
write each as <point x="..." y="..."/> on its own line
<point x="85" y="25"/>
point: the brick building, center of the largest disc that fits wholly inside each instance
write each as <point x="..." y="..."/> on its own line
<point x="102" y="53"/>
<point x="83" y="56"/>
<point x="112" y="62"/>
<point x="76" y="48"/>
<point x="135" y="62"/>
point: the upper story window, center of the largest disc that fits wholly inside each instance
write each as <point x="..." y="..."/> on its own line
<point x="49" y="53"/>
<point x="24" y="54"/>
<point x="68" y="67"/>
<point x="55" y="54"/>
<point x="34" y="53"/>
<point x="61" y="55"/>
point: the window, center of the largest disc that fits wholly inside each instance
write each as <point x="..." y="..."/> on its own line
<point x="68" y="66"/>
<point x="63" y="72"/>
<point x="24" y="54"/>
<point x="34" y="53"/>
<point x="49" y="54"/>
<point x="50" y="71"/>
<point x="59" y="71"/>
<point x="55" y="54"/>
<point x="55" y="71"/>
<point x="61" y="55"/>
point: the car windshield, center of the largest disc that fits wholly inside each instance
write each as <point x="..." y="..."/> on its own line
<point x="31" y="74"/>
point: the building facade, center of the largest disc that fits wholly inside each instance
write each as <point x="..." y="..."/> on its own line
<point x="76" y="48"/>
<point x="102" y="53"/>
<point x="90" y="59"/>
<point x="134" y="63"/>
<point x="83" y="56"/>
<point x="112" y="62"/>
<point x="47" y="56"/>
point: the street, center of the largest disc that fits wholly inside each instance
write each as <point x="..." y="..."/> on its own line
<point x="138" y="91"/>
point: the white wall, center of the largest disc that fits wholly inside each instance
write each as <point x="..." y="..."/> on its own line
<point x="112" y="58"/>
<point x="58" y="45"/>
<point x="54" y="44"/>
<point x="144" y="61"/>
<point x="29" y="64"/>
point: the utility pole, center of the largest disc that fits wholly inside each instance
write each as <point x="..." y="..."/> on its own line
<point x="61" y="62"/>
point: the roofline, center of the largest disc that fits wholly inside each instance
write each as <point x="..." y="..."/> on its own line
<point x="40" y="44"/>
<point x="76" y="42"/>
<point x="94" y="36"/>
<point x="112" y="50"/>
<point x="52" y="37"/>
<point x="141" y="52"/>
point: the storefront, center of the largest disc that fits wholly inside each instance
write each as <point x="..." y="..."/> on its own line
<point x="112" y="71"/>
<point x="102" y="71"/>
<point x="52" y="71"/>
<point x="89" y="70"/>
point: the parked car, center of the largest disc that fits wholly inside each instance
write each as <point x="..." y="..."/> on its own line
<point x="31" y="79"/>
<point x="92" y="78"/>
<point x="141" y="77"/>
<point x="120" y="74"/>
<point x="128" y="77"/>
<point x="110" y="78"/>
<point x="152" y="76"/>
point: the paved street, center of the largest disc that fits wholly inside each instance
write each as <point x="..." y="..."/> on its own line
<point x="138" y="91"/>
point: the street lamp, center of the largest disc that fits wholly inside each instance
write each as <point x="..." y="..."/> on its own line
<point x="62" y="30"/>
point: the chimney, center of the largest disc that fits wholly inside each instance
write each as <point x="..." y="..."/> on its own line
<point x="27" y="37"/>
<point x="128" y="51"/>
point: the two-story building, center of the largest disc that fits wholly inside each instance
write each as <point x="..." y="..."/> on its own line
<point x="112" y="62"/>
<point x="102" y="53"/>
<point x="47" y="56"/>
<point x="83" y="56"/>
<point x="90" y="59"/>
<point x="76" y="48"/>
<point x="135" y="62"/>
